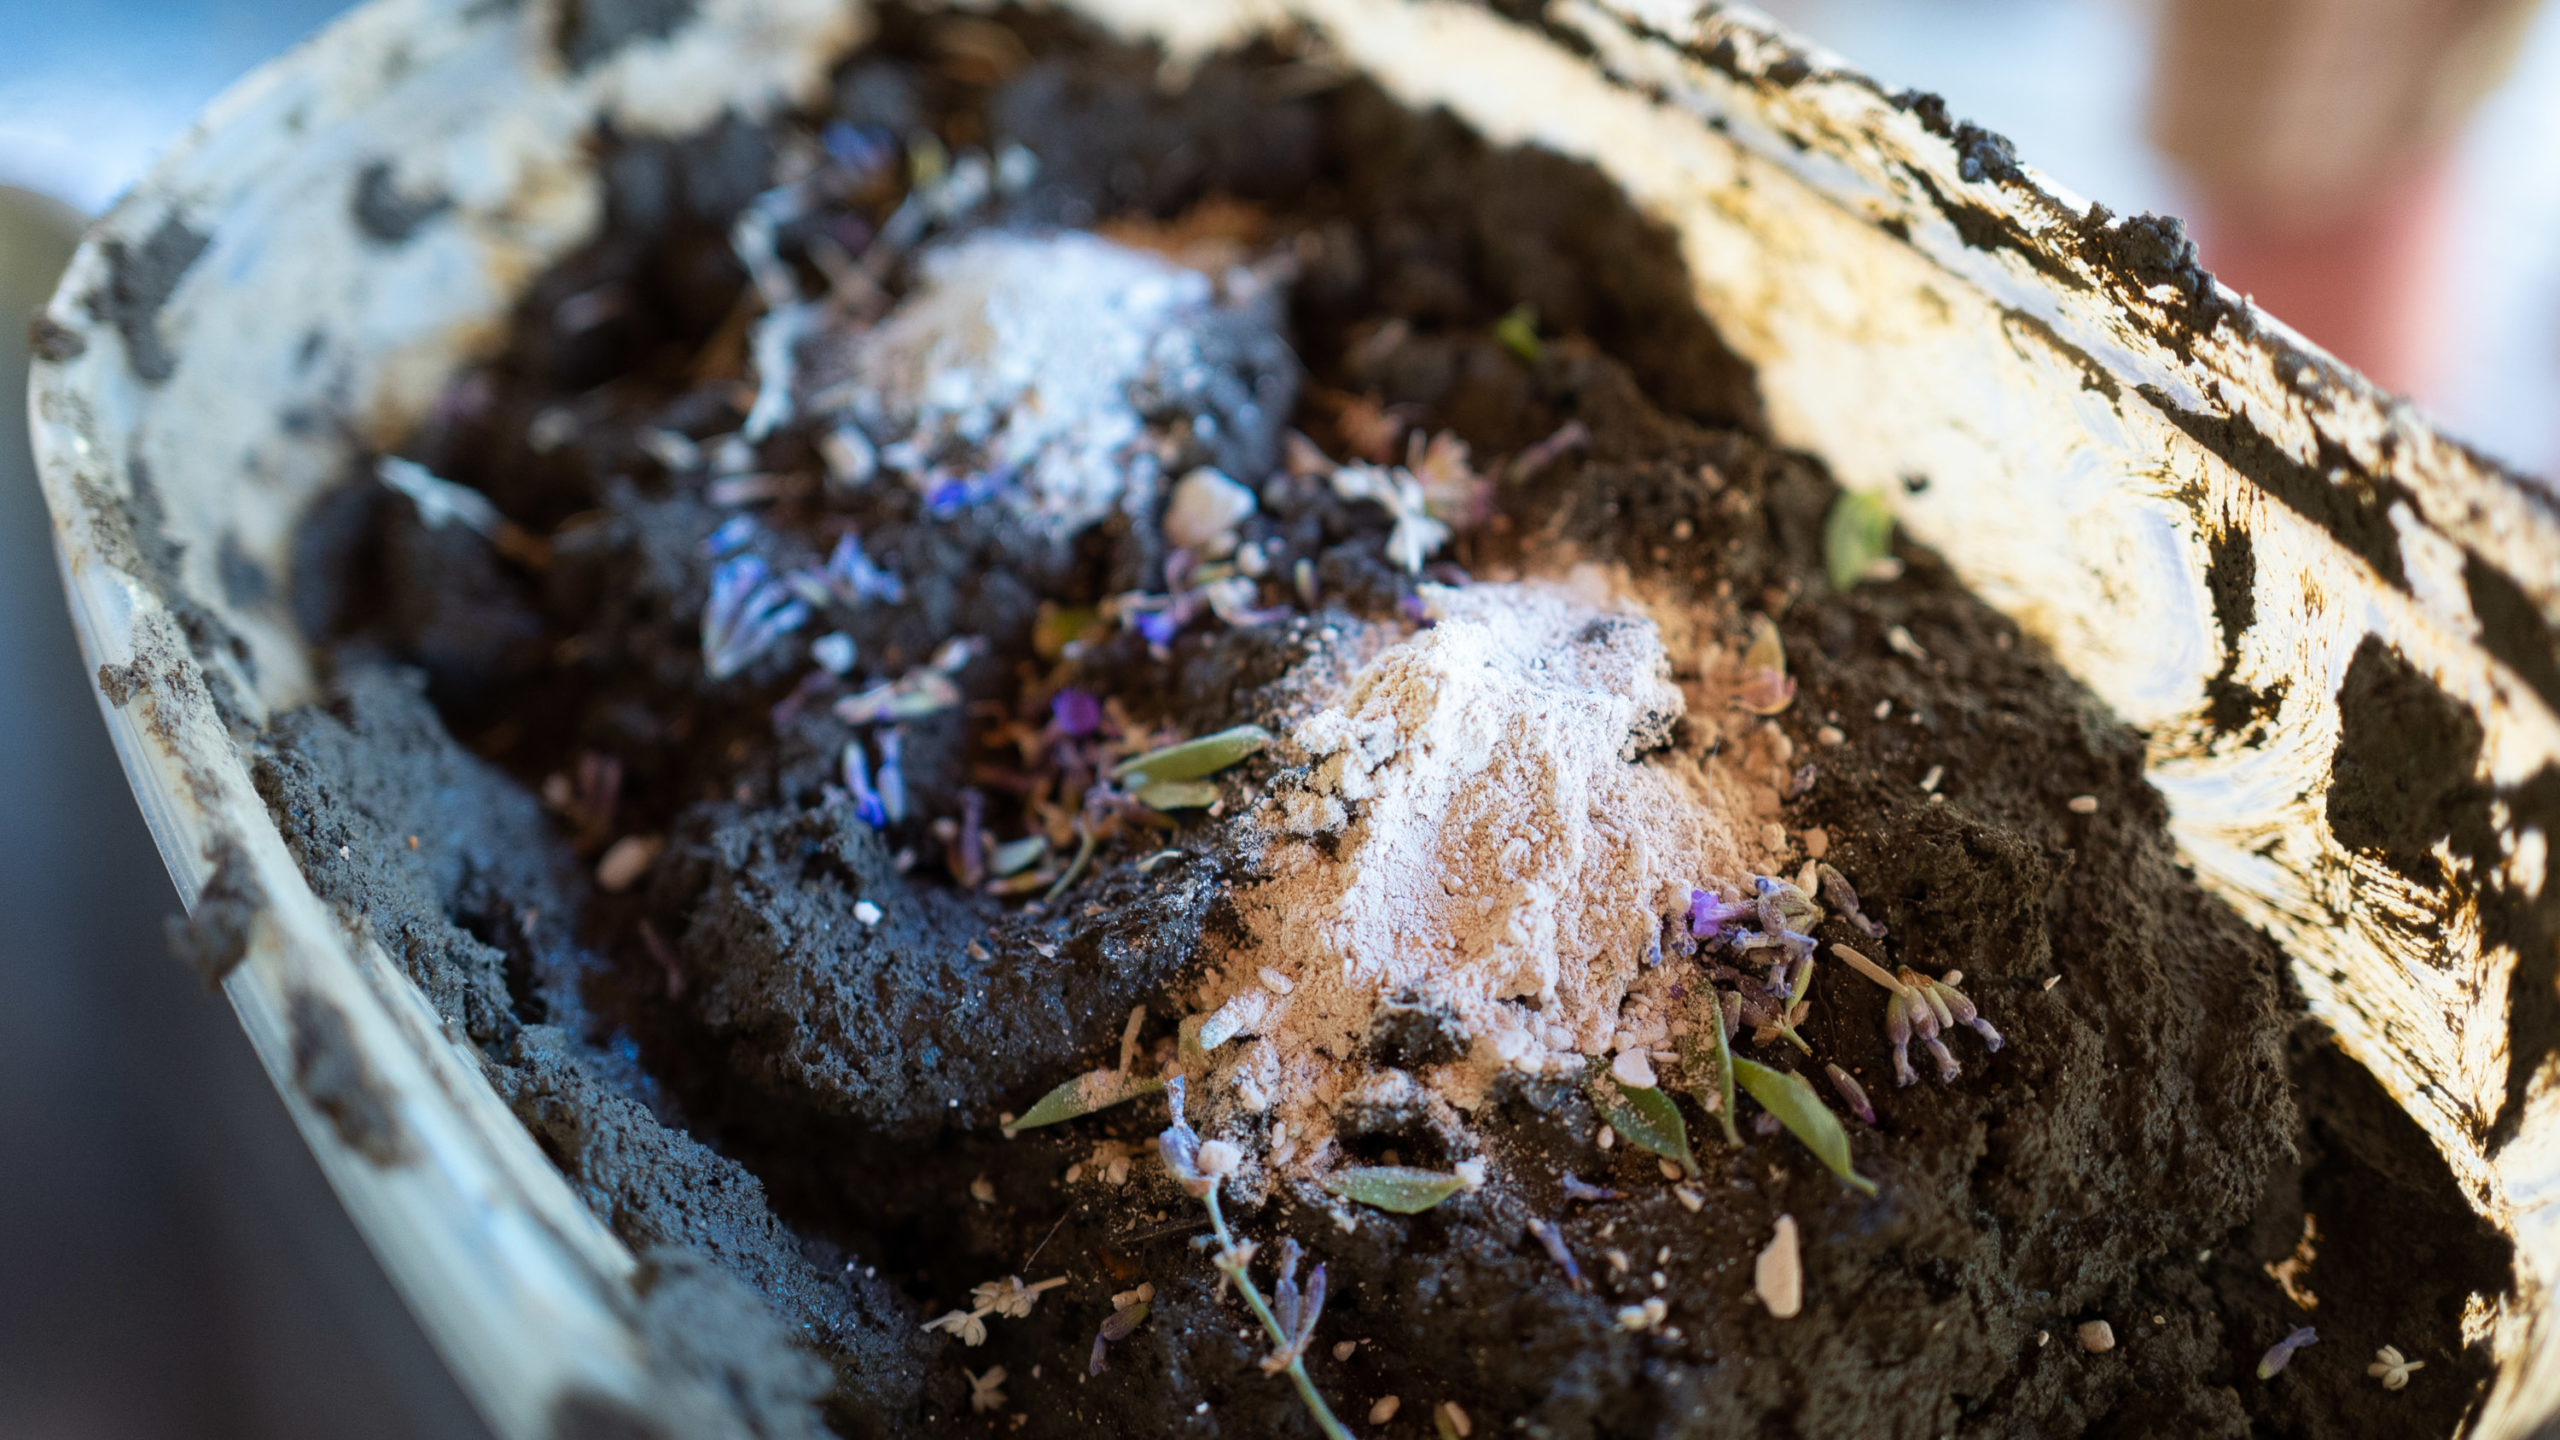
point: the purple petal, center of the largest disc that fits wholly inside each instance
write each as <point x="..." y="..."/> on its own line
<point x="1077" y="712"/>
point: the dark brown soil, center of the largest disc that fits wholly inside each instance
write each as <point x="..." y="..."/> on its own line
<point x="731" y="1067"/>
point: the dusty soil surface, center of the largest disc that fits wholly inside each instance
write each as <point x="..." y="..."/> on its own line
<point x="735" y="1067"/>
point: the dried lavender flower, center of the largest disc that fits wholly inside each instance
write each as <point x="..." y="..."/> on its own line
<point x="1852" y="1093"/>
<point x="1843" y="898"/>
<point x="856" y="770"/>
<point x="856" y="579"/>
<point x="892" y="781"/>
<point x="1708" y="914"/>
<point x="1117" y="1326"/>
<point x="1551" y="1240"/>
<point x="732" y="534"/>
<point x="1897" y="1029"/>
<point x="2280" y="1354"/>
<point x="1077" y="713"/>
<point x="746" y="614"/>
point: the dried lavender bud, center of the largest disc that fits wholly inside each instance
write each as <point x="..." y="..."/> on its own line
<point x="1117" y="1326"/>
<point x="1284" y="1293"/>
<point x="856" y="770"/>
<point x="1311" y="1310"/>
<point x="892" y="783"/>
<point x="1963" y="1010"/>
<point x="1576" y="1189"/>
<point x="732" y="534"/>
<point x="969" y="862"/>
<point x="1948" y="1069"/>
<point x="1553" y="1240"/>
<point x="2280" y="1354"/>
<point x="853" y="580"/>
<point x="1853" y="1093"/>
<point x="1179" y="1145"/>
<point x="1836" y="889"/>
<point x="1897" y="1028"/>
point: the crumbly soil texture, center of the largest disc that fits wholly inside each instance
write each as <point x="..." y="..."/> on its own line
<point x="776" y="1060"/>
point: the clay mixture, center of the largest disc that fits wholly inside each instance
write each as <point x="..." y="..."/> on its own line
<point x="1056" y="577"/>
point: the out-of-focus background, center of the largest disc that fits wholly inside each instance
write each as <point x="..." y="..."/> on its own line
<point x="171" y="1262"/>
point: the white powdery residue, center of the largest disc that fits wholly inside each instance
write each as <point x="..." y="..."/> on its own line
<point x="1500" y="842"/>
<point x="1032" y="352"/>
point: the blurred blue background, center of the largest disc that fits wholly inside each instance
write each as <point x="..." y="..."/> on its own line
<point x="171" y="1262"/>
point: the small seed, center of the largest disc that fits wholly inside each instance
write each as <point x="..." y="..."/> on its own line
<point x="1929" y="782"/>
<point x="1884" y="708"/>
<point x="1345" y="1349"/>
<point x="1670" y="1171"/>
<point x="2083" y="805"/>
<point x="866" y="912"/>
<point x="1455" y="1419"/>
<point x="2097" y="1336"/>
<point x="1219" y="1158"/>
<point x="1831" y="735"/>
<point x="628" y="860"/>
<point x="982" y="1190"/>
<point x="1608" y="1138"/>
<point x="1631" y="1317"/>
<point x="1691" y="1198"/>
<point x="1277" y="983"/>
<point x="1384" y="1410"/>
<point x="1778" y="1274"/>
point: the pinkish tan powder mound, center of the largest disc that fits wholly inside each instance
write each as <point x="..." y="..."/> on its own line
<point x="1496" y="828"/>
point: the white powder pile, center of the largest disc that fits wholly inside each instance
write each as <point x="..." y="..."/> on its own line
<point x="1488" y="833"/>
<point x="1038" y="354"/>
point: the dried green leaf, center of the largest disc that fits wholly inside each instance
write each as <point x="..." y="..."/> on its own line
<point x="1788" y="1097"/>
<point x="1698" y="1062"/>
<point x="1091" y="1091"/>
<point x="1179" y="795"/>
<point x="1857" y="534"/>
<point x="1398" y="1188"/>
<point x="1642" y="1115"/>
<point x="1016" y="855"/>
<point x="1517" y="332"/>
<point x="1192" y="759"/>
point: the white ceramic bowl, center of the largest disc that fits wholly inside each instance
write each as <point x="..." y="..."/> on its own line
<point x="2099" y="431"/>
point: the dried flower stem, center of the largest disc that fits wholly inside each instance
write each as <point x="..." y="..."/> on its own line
<point x="1075" y="869"/>
<point x="1198" y="1168"/>
<point x="1236" y="1265"/>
